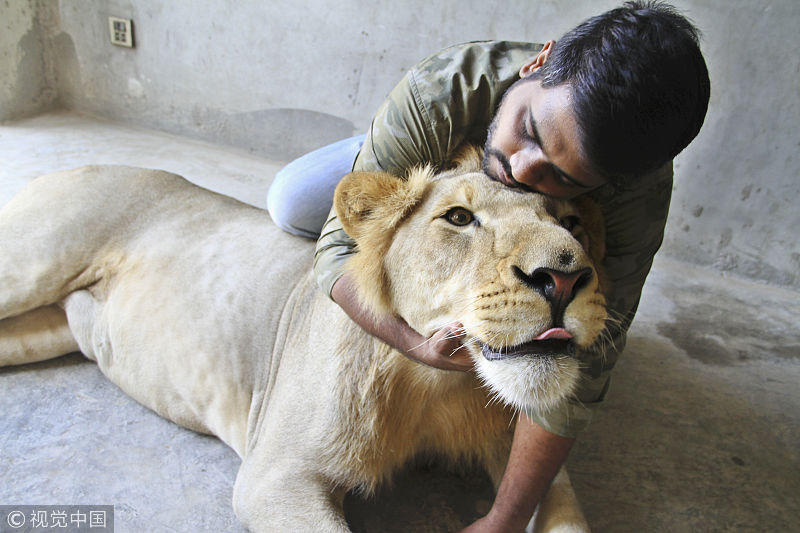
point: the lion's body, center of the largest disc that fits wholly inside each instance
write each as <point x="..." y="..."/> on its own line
<point x="201" y="309"/>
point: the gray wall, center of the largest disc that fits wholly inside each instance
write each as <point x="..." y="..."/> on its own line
<point x="283" y="77"/>
<point x="26" y="83"/>
<point x="738" y="185"/>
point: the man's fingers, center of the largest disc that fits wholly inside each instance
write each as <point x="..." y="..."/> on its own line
<point x="458" y="351"/>
<point x="454" y="333"/>
<point x="460" y="358"/>
<point x="445" y="350"/>
<point x="456" y="330"/>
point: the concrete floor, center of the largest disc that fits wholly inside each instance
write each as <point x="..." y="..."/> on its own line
<point x="700" y="432"/>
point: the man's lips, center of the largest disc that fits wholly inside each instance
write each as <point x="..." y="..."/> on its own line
<point x="554" y="341"/>
<point x="503" y="177"/>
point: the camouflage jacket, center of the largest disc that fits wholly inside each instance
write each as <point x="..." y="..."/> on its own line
<point x="450" y="98"/>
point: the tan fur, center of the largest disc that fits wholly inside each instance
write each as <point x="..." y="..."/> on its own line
<point x="467" y="274"/>
<point x="370" y="208"/>
<point x="199" y="308"/>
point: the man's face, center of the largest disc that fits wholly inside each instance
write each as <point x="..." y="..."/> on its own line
<point x="533" y="143"/>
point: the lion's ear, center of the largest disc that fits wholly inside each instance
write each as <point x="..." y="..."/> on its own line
<point x="594" y="225"/>
<point x="375" y="202"/>
<point x="468" y="158"/>
<point x="360" y="197"/>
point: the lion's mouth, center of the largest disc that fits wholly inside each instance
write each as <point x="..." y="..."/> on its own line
<point x="551" y="343"/>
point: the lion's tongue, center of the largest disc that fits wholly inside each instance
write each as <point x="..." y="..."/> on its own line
<point x="554" y="333"/>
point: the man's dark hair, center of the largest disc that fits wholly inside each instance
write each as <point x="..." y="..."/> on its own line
<point x="639" y="86"/>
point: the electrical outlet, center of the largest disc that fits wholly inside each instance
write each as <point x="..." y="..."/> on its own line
<point x="121" y="31"/>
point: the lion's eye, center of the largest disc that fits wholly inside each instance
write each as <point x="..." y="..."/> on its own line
<point x="570" y="222"/>
<point x="458" y="216"/>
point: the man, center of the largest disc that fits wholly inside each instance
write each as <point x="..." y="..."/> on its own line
<point x="602" y="111"/>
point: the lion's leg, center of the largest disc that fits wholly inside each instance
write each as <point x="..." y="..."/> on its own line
<point x="271" y="495"/>
<point x="82" y="311"/>
<point x="48" y="237"/>
<point x="560" y="511"/>
<point x="37" y="335"/>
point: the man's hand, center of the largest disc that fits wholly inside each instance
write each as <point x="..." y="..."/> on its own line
<point x="444" y="350"/>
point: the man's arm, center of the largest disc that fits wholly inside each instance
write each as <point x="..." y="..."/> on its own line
<point x="442" y="350"/>
<point x="535" y="459"/>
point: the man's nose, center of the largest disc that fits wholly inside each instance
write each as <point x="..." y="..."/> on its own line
<point x="528" y="166"/>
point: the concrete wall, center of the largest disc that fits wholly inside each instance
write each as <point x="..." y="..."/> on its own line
<point x="281" y="78"/>
<point x="738" y="185"/>
<point x="26" y="84"/>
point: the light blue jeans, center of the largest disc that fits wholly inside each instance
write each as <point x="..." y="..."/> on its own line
<point x="301" y="195"/>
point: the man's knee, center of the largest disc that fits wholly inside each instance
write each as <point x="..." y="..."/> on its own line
<point x="301" y="194"/>
<point x="290" y="210"/>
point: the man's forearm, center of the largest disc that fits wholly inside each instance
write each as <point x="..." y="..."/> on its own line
<point x="442" y="350"/>
<point x="535" y="459"/>
<point x="391" y="329"/>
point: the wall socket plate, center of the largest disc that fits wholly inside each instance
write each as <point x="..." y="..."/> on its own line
<point x="120" y="31"/>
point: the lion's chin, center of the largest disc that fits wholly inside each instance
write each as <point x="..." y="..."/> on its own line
<point x="530" y="383"/>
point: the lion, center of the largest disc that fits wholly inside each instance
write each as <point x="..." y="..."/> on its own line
<point x="200" y="308"/>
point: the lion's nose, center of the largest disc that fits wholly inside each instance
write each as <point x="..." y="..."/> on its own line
<point x="557" y="287"/>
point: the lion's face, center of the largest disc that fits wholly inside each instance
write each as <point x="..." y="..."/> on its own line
<point x="509" y="265"/>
